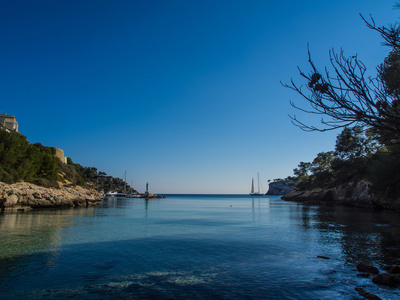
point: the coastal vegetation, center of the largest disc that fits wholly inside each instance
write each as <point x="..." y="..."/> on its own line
<point x="35" y="163"/>
<point x="366" y="109"/>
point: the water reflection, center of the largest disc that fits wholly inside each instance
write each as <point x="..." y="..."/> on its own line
<point x="365" y="235"/>
<point x="32" y="232"/>
<point x="23" y="234"/>
<point x="256" y="248"/>
<point x="139" y="203"/>
<point x="260" y="207"/>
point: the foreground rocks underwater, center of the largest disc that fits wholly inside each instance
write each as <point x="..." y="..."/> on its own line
<point x="25" y="196"/>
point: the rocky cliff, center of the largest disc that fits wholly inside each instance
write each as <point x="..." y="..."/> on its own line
<point x="26" y="196"/>
<point x="352" y="193"/>
<point x="280" y="187"/>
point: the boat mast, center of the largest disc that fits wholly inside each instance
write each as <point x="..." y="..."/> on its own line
<point x="125" y="183"/>
<point x="252" y="186"/>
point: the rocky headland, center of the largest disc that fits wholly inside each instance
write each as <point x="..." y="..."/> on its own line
<point x="280" y="187"/>
<point x="351" y="194"/>
<point x="25" y="196"/>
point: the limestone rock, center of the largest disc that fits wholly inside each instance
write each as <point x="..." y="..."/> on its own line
<point x="11" y="200"/>
<point x="26" y="195"/>
<point x="351" y="193"/>
<point x="280" y="187"/>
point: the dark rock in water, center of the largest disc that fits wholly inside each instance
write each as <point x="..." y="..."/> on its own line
<point x="365" y="275"/>
<point x="387" y="268"/>
<point x="367" y="269"/>
<point x="392" y="280"/>
<point x="394" y="270"/>
<point x="367" y="295"/>
<point x="324" y="257"/>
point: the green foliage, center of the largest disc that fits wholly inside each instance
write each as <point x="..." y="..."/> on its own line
<point x="389" y="73"/>
<point x="368" y="110"/>
<point x="322" y="162"/>
<point x="22" y="161"/>
<point x="46" y="182"/>
<point x="86" y="174"/>
<point x="384" y="170"/>
<point x="357" y="157"/>
<point x="312" y="174"/>
<point x="355" y="143"/>
<point x="69" y="172"/>
<point x="349" y="170"/>
<point x="350" y="161"/>
<point x="100" y="180"/>
<point x="302" y="170"/>
<point x="19" y="160"/>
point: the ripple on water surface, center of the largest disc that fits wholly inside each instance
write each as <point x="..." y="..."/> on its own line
<point x="196" y="247"/>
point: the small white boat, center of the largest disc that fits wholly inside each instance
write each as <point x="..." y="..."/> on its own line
<point x="111" y="194"/>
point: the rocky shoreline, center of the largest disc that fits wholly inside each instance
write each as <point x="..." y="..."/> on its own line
<point x="351" y="194"/>
<point x="281" y="187"/>
<point x="25" y="196"/>
<point x="390" y="278"/>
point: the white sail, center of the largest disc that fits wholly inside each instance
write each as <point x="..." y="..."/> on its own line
<point x="252" y="193"/>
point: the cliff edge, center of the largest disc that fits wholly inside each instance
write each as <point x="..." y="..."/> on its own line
<point x="280" y="187"/>
<point x="25" y="196"/>
<point x="351" y="193"/>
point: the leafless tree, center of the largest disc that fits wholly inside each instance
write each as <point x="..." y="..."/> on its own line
<point x="347" y="97"/>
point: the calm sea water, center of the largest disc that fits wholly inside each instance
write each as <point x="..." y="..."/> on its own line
<point x="195" y="247"/>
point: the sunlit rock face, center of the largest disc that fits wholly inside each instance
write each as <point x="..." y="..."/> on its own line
<point x="24" y="196"/>
<point x="280" y="188"/>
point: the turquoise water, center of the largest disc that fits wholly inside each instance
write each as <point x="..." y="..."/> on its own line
<point x="195" y="247"/>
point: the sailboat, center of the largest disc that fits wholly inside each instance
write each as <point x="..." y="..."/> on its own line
<point x="252" y="193"/>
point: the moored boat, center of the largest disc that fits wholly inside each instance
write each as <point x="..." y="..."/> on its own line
<point x="252" y="193"/>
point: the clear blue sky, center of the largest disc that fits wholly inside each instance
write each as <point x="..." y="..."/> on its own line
<point x="185" y="95"/>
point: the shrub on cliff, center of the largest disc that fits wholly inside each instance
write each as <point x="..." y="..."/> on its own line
<point x="46" y="183"/>
<point x="23" y="161"/>
<point x="378" y="165"/>
<point x="88" y="174"/>
<point x="70" y="173"/>
<point x="384" y="171"/>
<point x="20" y="160"/>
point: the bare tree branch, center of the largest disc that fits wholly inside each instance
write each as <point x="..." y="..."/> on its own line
<point x="347" y="97"/>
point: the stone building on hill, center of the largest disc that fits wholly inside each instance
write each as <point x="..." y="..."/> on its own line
<point x="8" y="123"/>
<point x="60" y="155"/>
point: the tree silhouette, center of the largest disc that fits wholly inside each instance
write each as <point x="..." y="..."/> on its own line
<point x="347" y="97"/>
